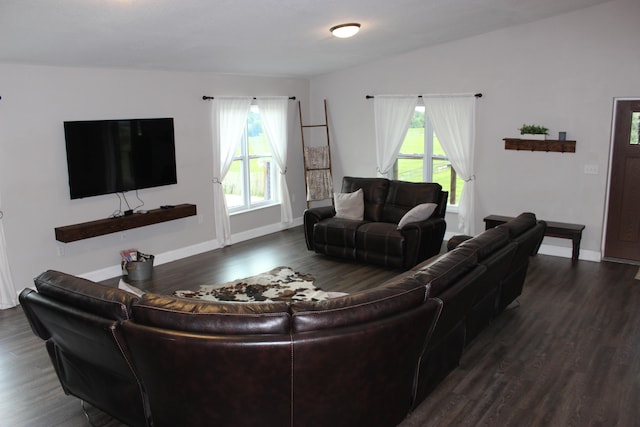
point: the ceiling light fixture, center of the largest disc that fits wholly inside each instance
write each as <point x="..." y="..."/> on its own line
<point x="345" y="30"/>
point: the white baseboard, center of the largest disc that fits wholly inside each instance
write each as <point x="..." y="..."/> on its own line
<point x="180" y="253"/>
<point x="263" y="231"/>
<point x="174" y="255"/>
<point x="559" y="251"/>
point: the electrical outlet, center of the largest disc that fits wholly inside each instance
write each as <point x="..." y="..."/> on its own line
<point x="200" y="219"/>
<point x="123" y="236"/>
<point x="60" y="250"/>
<point x="591" y="169"/>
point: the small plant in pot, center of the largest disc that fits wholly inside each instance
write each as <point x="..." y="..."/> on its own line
<point x="534" y="132"/>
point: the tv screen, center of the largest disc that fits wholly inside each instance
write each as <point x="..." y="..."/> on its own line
<point x="112" y="156"/>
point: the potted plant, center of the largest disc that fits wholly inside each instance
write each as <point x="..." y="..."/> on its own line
<point x="534" y="132"/>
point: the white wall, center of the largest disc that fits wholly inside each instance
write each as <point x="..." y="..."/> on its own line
<point x="33" y="177"/>
<point x="562" y="72"/>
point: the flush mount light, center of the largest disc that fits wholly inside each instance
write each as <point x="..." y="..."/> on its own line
<point x="345" y="30"/>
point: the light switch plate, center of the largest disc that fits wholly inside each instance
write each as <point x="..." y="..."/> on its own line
<point x="591" y="169"/>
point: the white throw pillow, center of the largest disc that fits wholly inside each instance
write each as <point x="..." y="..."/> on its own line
<point x="349" y="205"/>
<point x="418" y="213"/>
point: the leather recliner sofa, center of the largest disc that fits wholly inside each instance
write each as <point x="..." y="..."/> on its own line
<point x="80" y="322"/>
<point x="376" y="238"/>
<point x="505" y="251"/>
<point x="363" y="359"/>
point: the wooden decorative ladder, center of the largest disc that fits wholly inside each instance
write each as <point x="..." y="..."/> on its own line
<point x="317" y="163"/>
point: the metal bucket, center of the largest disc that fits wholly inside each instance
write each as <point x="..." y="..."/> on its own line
<point x="140" y="270"/>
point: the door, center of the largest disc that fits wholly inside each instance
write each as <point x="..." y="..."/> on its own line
<point x="623" y="216"/>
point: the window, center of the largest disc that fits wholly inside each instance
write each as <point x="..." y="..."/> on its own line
<point x="251" y="180"/>
<point x="635" y="128"/>
<point x="422" y="159"/>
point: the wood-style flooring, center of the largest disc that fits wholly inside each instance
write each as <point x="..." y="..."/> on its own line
<point x="566" y="354"/>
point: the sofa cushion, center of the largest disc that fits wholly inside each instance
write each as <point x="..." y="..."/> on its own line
<point x="520" y="224"/>
<point x="446" y="270"/>
<point x="212" y="317"/>
<point x="455" y="241"/>
<point x="403" y="196"/>
<point x="487" y="242"/>
<point x="349" y="205"/>
<point x="380" y="243"/>
<point x="395" y="296"/>
<point x="418" y="213"/>
<point x="375" y="194"/>
<point x="336" y="232"/>
<point x="104" y="301"/>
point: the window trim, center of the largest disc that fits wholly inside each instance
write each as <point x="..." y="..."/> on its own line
<point x="245" y="158"/>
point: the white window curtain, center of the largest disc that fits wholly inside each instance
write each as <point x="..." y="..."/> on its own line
<point x="229" y="120"/>
<point x="453" y="120"/>
<point x="392" y="116"/>
<point x="8" y="295"/>
<point x="274" y="112"/>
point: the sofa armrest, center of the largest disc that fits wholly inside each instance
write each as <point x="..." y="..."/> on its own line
<point x="442" y="204"/>
<point x="311" y="217"/>
<point x="424" y="226"/>
<point x="457" y="240"/>
<point x="26" y="297"/>
<point x="423" y="239"/>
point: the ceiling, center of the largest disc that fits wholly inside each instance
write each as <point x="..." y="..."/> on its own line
<point x="258" y="37"/>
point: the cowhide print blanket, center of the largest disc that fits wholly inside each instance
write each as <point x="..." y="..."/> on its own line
<point x="279" y="284"/>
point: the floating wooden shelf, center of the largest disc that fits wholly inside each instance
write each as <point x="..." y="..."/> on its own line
<point x="540" y="145"/>
<point x="86" y="230"/>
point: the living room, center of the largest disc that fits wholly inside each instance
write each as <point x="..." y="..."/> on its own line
<point x="563" y="72"/>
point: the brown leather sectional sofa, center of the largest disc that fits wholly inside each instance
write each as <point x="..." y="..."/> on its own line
<point x="363" y="359"/>
<point x="376" y="238"/>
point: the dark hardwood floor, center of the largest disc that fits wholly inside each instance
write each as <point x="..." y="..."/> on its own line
<point x="286" y="248"/>
<point x="566" y="354"/>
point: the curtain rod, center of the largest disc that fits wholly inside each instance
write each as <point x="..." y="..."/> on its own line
<point x="206" y="98"/>
<point x="477" y="95"/>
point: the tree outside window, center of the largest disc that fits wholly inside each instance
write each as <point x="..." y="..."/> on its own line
<point x="251" y="180"/>
<point x="422" y="159"/>
<point x="635" y="128"/>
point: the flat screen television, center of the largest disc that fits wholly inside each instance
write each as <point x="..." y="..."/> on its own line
<point x="113" y="156"/>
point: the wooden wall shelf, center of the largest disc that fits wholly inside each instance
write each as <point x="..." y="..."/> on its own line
<point x="86" y="230"/>
<point x="540" y="145"/>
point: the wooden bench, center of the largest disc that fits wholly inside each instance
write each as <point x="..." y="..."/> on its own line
<point x="562" y="230"/>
